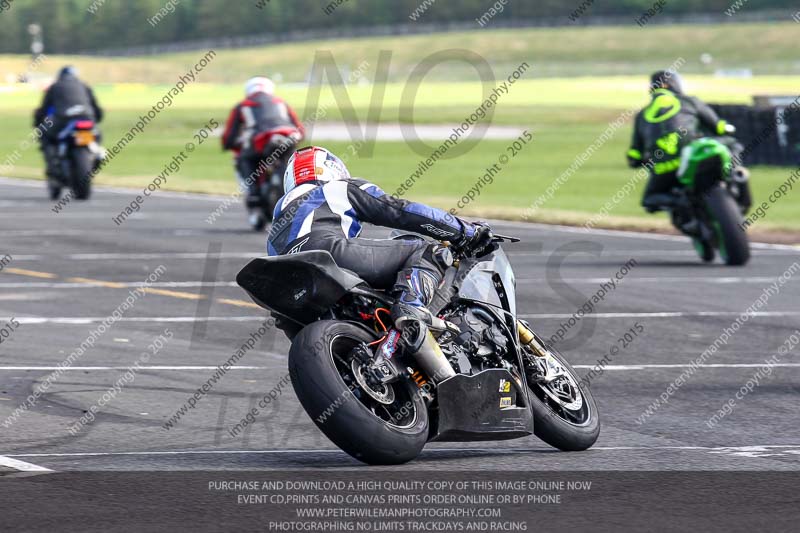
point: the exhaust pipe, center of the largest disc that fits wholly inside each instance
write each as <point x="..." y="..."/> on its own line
<point x="426" y="351"/>
<point x="432" y="360"/>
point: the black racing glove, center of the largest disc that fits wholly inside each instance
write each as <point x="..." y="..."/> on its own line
<point x="480" y="243"/>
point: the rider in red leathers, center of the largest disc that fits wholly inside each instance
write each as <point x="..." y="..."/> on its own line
<point x="263" y="132"/>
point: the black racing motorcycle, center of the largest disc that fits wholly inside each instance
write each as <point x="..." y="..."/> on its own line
<point x="478" y="373"/>
<point x="76" y="157"/>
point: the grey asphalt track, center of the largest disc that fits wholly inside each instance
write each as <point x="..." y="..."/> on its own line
<point x="67" y="272"/>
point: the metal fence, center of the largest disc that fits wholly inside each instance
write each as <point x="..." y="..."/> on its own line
<point x="770" y="135"/>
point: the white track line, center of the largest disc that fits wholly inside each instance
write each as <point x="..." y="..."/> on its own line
<point x="670" y="314"/>
<point x="133" y="255"/>
<point x="86" y="215"/>
<point x="624" y="234"/>
<point x="22" y="466"/>
<point x="429" y="450"/>
<point x="632" y="254"/>
<point x="258" y="253"/>
<point x="686" y="279"/>
<point x="122" y="284"/>
<point x="41" y="232"/>
<point x="39" y="184"/>
<point x="191" y="319"/>
<point x="170" y="319"/>
<point x="654" y="366"/>
<point x="194" y="284"/>
<point x="154" y="367"/>
<point x="710" y="365"/>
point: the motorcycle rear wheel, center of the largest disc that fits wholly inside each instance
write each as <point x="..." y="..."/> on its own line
<point x="734" y="246"/>
<point x="324" y="380"/>
<point x="272" y="200"/>
<point x="82" y="165"/>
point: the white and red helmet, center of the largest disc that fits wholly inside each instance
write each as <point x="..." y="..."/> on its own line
<point x="313" y="164"/>
<point x="259" y="85"/>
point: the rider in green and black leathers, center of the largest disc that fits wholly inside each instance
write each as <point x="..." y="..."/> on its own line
<point x="667" y="124"/>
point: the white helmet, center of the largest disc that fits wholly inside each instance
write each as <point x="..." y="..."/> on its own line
<point x="313" y="164"/>
<point x="259" y="84"/>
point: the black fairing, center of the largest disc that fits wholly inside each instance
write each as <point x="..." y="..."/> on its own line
<point x="301" y="286"/>
<point x="471" y="408"/>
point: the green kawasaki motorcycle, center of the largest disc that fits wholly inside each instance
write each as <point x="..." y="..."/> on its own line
<point x="712" y="200"/>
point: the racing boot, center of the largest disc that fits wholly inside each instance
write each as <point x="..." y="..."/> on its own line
<point x="416" y="288"/>
<point x="659" y="202"/>
<point x="686" y="222"/>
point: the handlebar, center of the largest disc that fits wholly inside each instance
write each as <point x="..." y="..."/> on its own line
<point x="503" y="238"/>
<point x="496" y="239"/>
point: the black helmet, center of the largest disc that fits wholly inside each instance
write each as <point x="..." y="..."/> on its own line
<point x="66" y="71"/>
<point x="666" y="79"/>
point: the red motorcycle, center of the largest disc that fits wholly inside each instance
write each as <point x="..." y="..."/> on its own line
<point x="273" y="149"/>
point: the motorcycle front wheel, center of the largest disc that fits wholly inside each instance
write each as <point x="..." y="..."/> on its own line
<point x="383" y="426"/>
<point x="565" y="414"/>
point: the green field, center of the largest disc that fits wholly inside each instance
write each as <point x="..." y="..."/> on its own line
<point x="565" y="114"/>
<point x="767" y="48"/>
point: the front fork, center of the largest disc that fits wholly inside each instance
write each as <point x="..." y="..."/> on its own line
<point x="528" y="338"/>
<point x="548" y="366"/>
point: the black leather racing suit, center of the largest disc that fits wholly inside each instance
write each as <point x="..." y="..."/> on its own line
<point x="329" y="216"/>
<point x="66" y="100"/>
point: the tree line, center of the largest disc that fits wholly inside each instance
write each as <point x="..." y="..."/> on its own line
<point x="70" y="26"/>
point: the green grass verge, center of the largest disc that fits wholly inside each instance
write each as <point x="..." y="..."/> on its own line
<point x="767" y="48"/>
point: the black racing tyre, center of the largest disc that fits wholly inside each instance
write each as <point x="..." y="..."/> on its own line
<point x="259" y="224"/>
<point x="53" y="190"/>
<point x="82" y="165"/>
<point x="325" y="382"/>
<point x="704" y="249"/>
<point x="734" y="246"/>
<point x="554" y="421"/>
<point x="273" y="196"/>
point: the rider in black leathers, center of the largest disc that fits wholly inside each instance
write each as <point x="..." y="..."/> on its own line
<point x="66" y="100"/>
<point x="324" y="209"/>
